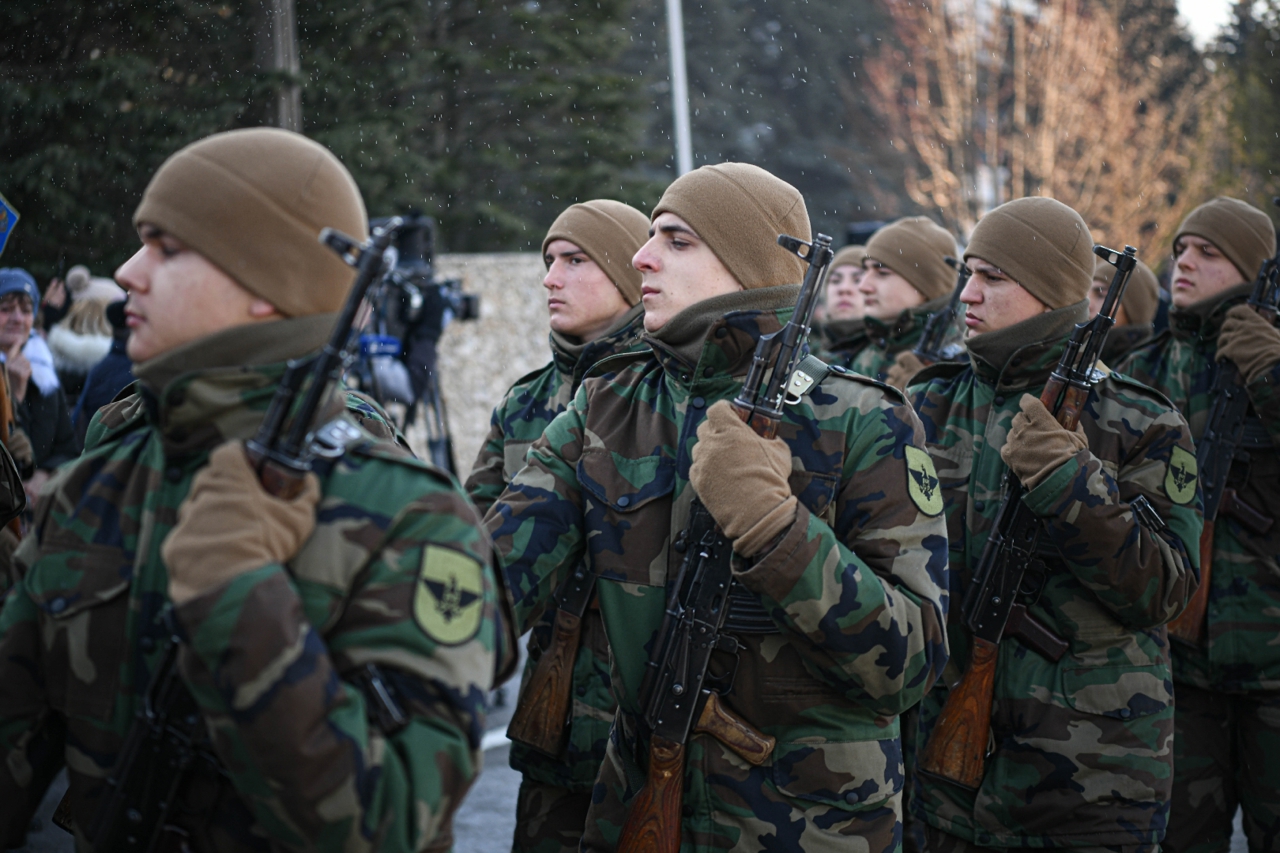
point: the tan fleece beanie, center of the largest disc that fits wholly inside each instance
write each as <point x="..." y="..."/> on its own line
<point x="1141" y="294"/>
<point x="849" y="256"/>
<point x="611" y="233"/>
<point x="739" y="210"/>
<point x="1242" y="232"/>
<point x="915" y="248"/>
<point x="1040" y="243"/>
<point x="253" y="202"/>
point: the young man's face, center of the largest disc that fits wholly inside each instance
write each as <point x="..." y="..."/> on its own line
<point x="176" y="296"/>
<point x="678" y="270"/>
<point x="583" y="301"/>
<point x="1098" y="293"/>
<point x="16" y="317"/>
<point x="885" y="294"/>
<point x="844" y="300"/>
<point x="1200" y="271"/>
<point x="994" y="301"/>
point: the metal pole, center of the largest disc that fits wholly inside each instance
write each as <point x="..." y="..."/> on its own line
<point x="284" y="39"/>
<point x="679" y="87"/>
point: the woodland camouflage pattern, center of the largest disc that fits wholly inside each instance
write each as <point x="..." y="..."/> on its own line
<point x="857" y="588"/>
<point x="1083" y="748"/>
<point x="522" y="417"/>
<point x="842" y="340"/>
<point x="266" y="656"/>
<point x="886" y="339"/>
<point x="1243" y="650"/>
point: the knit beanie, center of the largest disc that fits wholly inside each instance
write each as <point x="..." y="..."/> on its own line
<point x="739" y="210"/>
<point x="1040" y="243"/>
<point x="849" y="256"/>
<point x="1141" y="294"/>
<point x="611" y="233"/>
<point x="915" y="248"/>
<point x="254" y="202"/>
<point x="1240" y="231"/>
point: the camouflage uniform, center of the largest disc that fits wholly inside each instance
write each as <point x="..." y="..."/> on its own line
<point x="1122" y="341"/>
<point x="555" y="792"/>
<point x="269" y="656"/>
<point x="856" y="587"/>
<point x="885" y="340"/>
<point x="1228" y="737"/>
<point x="1082" y="748"/>
<point x="842" y="341"/>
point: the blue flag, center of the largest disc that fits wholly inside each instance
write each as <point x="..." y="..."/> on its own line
<point x="8" y="219"/>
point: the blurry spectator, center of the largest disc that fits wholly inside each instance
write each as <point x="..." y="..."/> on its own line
<point x="109" y="377"/>
<point x="78" y="342"/>
<point x="38" y="402"/>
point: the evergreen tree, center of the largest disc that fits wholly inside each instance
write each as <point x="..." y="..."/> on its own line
<point x="1249" y="51"/>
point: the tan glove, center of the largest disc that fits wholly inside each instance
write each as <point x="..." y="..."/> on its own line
<point x="19" y="447"/>
<point x="904" y="367"/>
<point x="1037" y="444"/>
<point x="742" y="479"/>
<point x="228" y="525"/>
<point x="1250" y="341"/>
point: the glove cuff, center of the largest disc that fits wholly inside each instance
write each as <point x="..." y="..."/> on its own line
<point x="764" y="531"/>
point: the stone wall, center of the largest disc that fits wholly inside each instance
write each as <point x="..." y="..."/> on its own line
<point x="480" y="359"/>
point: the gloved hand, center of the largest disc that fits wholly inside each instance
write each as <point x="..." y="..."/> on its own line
<point x="1250" y="341"/>
<point x="905" y="366"/>
<point x="742" y="479"/>
<point x="229" y="525"/>
<point x="24" y="456"/>
<point x="1037" y="444"/>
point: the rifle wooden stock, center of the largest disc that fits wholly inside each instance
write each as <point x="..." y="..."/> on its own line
<point x="1189" y="626"/>
<point x="957" y="748"/>
<point x="653" y="820"/>
<point x="752" y="745"/>
<point x="543" y="707"/>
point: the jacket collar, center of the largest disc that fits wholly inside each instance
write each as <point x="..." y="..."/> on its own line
<point x="885" y="333"/>
<point x="1203" y="320"/>
<point x="844" y="334"/>
<point x="1024" y="354"/>
<point x="573" y="358"/>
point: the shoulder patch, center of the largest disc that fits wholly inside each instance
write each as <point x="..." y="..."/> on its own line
<point x="448" y="600"/>
<point x="922" y="481"/>
<point x="1180" y="477"/>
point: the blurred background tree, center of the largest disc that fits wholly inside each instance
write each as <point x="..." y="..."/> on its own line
<point x="1248" y="51"/>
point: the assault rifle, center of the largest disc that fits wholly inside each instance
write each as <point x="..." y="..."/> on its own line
<point x="929" y="348"/>
<point x="166" y="746"/>
<point x="678" y="696"/>
<point x="1010" y="566"/>
<point x="1224" y="433"/>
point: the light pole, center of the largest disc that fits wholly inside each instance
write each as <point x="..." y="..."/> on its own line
<point x="679" y="88"/>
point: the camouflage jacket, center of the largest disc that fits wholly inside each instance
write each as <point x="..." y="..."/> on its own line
<point x="1122" y="341"/>
<point x="522" y="416"/>
<point x="855" y="588"/>
<point x="269" y="657"/>
<point x="885" y="340"/>
<point x="1244" y="586"/>
<point x="1083" y="747"/>
<point x="842" y="341"/>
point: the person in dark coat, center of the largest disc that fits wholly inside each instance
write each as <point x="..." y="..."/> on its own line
<point x="108" y="377"/>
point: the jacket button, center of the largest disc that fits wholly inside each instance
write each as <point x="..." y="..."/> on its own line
<point x="57" y="605"/>
<point x="685" y="377"/>
<point x="582" y="691"/>
<point x="697" y="402"/>
<point x="709" y="372"/>
<point x="999" y="401"/>
<point x="722" y="331"/>
<point x="624" y="501"/>
<point x="147" y="644"/>
<point x="979" y="505"/>
<point x="1125" y="713"/>
<point x="173" y="474"/>
<point x="852" y="797"/>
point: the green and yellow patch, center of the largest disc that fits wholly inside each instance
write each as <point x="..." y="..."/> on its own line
<point x="449" y="599"/>
<point x="1180" y="477"/>
<point x="922" y="481"/>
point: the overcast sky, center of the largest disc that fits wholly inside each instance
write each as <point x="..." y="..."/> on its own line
<point x="1205" y="17"/>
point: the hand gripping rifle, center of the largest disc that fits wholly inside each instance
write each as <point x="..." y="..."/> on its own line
<point x="166" y="746"/>
<point x="1009" y="566"/>
<point x="929" y="348"/>
<point x="1224" y="432"/>
<point x="678" y="696"/>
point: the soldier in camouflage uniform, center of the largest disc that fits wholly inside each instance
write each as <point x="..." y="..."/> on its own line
<point x="281" y="605"/>
<point x="1136" y="314"/>
<point x="1227" y="721"/>
<point x="840" y="551"/>
<point x="842" y="334"/>
<point x="594" y="297"/>
<point x="1082" y="748"/>
<point x="906" y="279"/>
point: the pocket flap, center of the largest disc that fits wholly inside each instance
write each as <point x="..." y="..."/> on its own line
<point x="1120" y="692"/>
<point x="84" y="576"/>
<point x="625" y="484"/>
<point x="845" y="774"/>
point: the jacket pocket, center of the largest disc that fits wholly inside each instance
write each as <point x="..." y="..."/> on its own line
<point x="817" y="491"/>
<point x="1119" y="692"/>
<point x="627" y="508"/>
<point x="80" y="589"/>
<point x="847" y="775"/>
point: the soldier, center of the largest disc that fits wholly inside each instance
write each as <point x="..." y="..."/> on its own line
<point x="282" y="606"/>
<point x="1081" y="747"/>
<point x="843" y="333"/>
<point x="840" y="552"/>
<point x="593" y="294"/>
<point x="1227" y="724"/>
<point x="1136" y="314"/>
